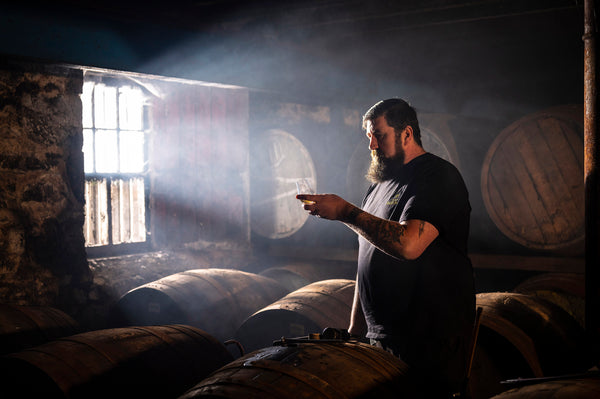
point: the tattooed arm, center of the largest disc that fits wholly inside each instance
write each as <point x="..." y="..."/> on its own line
<point x="405" y="240"/>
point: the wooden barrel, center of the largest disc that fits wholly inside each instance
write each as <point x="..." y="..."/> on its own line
<point x="136" y="362"/>
<point x="576" y="388"/>
<point x="279" y="160"/>
<point x="308" y="310"/>
<point x="532" y="181"/>
<point x="288" y="277"/>
<point x="296" y="274"/>
<point x="487" y="375"/>
<point x="331" y="370"/>
<point x="214" y="300"/>
<point x="26" y="326"/>
<point x="517" y="327"/>
<point x="566" y="290"/>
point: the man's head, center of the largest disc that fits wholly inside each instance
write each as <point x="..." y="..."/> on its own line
<point x="394" y="137"/>
<point x="398" y="114"/>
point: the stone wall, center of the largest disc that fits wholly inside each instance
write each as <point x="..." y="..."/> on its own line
<point x="42" y="252"/>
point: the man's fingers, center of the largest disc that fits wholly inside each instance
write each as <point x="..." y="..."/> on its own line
<point x="305" y="197"/>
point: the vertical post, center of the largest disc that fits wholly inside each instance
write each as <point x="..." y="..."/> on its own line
<point x="592" y="196"/>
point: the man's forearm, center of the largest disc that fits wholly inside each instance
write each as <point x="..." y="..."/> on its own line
<point x="386" y="235"/>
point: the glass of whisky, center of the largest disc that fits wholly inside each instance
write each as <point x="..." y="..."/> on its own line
<point x="304" y="187"/>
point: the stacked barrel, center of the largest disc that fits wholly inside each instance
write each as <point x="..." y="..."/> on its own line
<point x="170" y="335"/>
<point x="170" y="339"/>
<point x="165" y="337"/>
<point x="153" y="361"/>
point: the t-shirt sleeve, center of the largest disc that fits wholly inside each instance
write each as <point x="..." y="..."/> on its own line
<point x="436" y="196"/>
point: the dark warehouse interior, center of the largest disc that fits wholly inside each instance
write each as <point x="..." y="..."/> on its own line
<point x="193" y="233"/>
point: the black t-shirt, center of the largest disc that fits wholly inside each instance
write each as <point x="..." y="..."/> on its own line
<point x="431" y="297"/>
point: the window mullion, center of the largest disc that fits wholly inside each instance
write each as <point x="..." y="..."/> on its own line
<point x="109" y="209"/>
<point x="118" y="131"/>
<point x="94" y="156"/>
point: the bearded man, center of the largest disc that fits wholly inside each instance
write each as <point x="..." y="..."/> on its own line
<point x="414" y="294"/>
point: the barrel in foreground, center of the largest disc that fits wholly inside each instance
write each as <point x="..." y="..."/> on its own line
<point x="321" y="368"/>
<point x="153" y="361"/>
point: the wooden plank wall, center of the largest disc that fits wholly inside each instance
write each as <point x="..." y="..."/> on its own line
<point x="199" y="165"/>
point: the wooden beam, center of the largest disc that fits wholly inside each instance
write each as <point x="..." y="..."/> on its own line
<point x="530" y="263"/>
<point x="480" y="261"/>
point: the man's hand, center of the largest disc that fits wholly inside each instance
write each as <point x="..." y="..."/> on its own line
<point x="327" y="206"/>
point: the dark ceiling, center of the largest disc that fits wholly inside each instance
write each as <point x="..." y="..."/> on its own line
<point x="311" y="47"/>
<point x="315" y="15"/>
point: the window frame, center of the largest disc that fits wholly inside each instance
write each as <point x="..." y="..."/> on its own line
<point x="112" y="249"/>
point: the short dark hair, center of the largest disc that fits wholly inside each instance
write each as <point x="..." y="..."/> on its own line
<point x="398" y="114"/>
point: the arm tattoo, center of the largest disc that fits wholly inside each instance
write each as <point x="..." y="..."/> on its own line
<point x="351" y="218"/>
<point x="384" y="234"/>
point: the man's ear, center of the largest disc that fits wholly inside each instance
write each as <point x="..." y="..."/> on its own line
<point x="407" y="135"/>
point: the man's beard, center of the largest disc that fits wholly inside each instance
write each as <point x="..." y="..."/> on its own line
<point x="382" y="169"/>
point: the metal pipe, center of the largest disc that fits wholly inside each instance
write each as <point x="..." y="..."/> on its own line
<point x="592" y="192"/>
